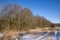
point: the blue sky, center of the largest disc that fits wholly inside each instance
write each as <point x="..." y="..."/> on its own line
<point x="50" y="9"/>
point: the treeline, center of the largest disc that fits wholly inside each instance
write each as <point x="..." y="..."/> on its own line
<point x="57" y="24"/>
<point x="14" y="17"/>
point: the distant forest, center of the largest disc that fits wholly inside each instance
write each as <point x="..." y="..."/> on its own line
<point x="14" y="17"/>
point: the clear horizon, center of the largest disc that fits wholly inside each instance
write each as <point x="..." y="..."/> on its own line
<point x="50" y="9"/>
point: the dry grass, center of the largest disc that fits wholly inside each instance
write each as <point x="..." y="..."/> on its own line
<point x="10" y="34"/>
<point x="39" y="30"/>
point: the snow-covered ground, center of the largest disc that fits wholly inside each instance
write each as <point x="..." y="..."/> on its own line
<point x="39" y="37"/>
